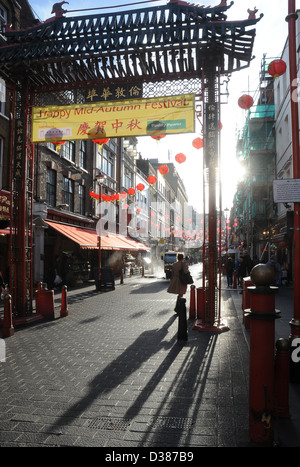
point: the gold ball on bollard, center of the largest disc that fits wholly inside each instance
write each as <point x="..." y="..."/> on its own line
<point x="262" y="275"/>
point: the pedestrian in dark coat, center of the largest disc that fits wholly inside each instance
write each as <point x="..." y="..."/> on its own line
<point x="176" y="286"/>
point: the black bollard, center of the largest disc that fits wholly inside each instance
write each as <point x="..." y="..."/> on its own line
<point x="182" y="321"/>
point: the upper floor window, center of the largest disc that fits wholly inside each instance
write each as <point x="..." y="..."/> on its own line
<point x="107" y="164"/>
<point x="82" y="154"/>
<point x="68" y="193"/>
<point x="68" y="150"/>
<point x="3" y="19"/>
<point x="81" y="199"/>
<point x="2" y="96"/>
<point x="51" y="187"/>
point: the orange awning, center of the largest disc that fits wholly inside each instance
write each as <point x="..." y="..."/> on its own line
<point x="88" y="238"/>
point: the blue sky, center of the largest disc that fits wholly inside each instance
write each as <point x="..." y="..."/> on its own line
<point x="271" y="35"/>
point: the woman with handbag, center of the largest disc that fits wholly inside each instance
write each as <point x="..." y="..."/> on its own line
<point x="177" y="286"/>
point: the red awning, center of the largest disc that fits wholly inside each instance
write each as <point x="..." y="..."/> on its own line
<point x="88" y="238"/>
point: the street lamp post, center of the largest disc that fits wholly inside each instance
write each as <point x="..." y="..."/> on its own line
<point x="99" y="178"/>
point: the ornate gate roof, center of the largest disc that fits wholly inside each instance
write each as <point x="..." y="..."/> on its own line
<point x="150" y="44"/>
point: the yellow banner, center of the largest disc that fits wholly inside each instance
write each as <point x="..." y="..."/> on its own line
<point x="134" y="117"/>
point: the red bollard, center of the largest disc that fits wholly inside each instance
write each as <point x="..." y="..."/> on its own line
<point x="64" y="302"/>
<point x="7" y="322"/>
<point x="44" y="300"/>
<point x="122" y="277"/>
<point x="192" y="313"/>
<point x="262" y="336"/>
<point x="200" y="303"/>
<point x="143" y="271"/>
<point x="282" y="378"/>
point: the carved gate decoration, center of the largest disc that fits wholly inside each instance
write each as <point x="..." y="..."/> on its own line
<point x="173" y="49"/>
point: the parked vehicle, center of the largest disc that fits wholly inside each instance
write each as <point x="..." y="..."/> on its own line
<point x="169" y="259"/>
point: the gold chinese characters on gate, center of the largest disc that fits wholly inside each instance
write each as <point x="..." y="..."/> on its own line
<point x="212" y="132"/>
<point x="112" y="119"/>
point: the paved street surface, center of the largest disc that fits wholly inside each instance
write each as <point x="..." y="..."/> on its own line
<point x="113" y="374"/>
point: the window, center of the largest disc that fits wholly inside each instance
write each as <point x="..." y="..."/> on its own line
<point x="82" y="154"/>
<point x="107" y="163"/>
<point x="51" y="187"/>
<point x="2" y="96"/>
<point x="128" y="178"/>
<point x="3" y="19"/>
<point x="68" y="151"/>
<point x="81" y="196"/>
<point x="68" y="193"/>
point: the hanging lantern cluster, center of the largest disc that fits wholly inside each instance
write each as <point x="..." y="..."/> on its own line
<point x="245" y="102"/>
<point x="277" y="68"/>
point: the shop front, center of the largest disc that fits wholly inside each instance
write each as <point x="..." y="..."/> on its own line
<point x="77" y="250"/>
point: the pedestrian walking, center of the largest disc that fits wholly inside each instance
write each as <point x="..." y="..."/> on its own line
<point x="229" y="267"/>
<point x="176" y="286"/>
<point x="277" y="270"/>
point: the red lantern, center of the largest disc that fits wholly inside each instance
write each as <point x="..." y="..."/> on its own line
<point x="131" y="191"/>
<point x="140" y="187"/>
<point x="123" y="195"/>
<point x="180" y="158"/>
<point x="198" y="143"/>
<point x="277" y="68"/>
<point x="151" y="179"/>
<point x="58" y="144"/>
<point x="163" y="169"/>
<point x="138" y="210"/>
<point x="101" y="141"/>
<point x="158" y="137"/>
<point x="245" y="102"/>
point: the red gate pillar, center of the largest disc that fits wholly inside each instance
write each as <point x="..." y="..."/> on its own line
<point x="262" y="316"/>
<point x="295" y="322"/>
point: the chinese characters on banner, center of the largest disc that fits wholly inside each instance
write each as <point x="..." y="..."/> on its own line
<point x="113" y="119"/>
<point x="114" y="92"/>
<point x="19" y="155"/>
<point x="212" y="133"/>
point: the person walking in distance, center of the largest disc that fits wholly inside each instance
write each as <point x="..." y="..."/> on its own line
<point x="176" y="286"/>
<point x="229" y="271"/>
